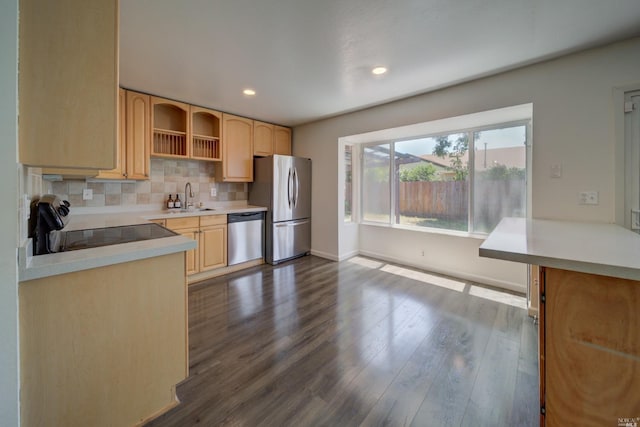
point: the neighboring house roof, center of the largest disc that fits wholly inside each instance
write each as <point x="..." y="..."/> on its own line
<point x="438" y="161"/>
<point x="509" y="156"/>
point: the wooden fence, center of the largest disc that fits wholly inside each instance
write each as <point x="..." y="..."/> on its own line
<point x="494" y="199"/>
<point x="434" y="199"/>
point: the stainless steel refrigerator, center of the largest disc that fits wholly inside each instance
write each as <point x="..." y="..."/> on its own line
<point x="283" y="185"/>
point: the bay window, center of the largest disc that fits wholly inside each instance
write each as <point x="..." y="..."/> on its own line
<point x="460" y="180"/>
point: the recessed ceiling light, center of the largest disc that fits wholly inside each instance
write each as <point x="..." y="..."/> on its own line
<point x="249" y="92"/>
<point x="379" y="70"/>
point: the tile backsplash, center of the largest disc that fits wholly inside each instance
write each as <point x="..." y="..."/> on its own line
<point x="167" y="176"/>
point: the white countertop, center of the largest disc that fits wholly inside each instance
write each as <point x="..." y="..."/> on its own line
<point x="35" y="267"/>
<point x="596" y="248"/>
<point x="100" y="220"/>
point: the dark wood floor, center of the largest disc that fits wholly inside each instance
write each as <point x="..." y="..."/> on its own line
<point x="361" y="342"/>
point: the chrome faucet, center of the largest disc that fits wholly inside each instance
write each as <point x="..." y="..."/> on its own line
<point x="187" y="195"/>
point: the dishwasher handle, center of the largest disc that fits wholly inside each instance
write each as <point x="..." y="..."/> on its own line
<point x="245" y="216"/>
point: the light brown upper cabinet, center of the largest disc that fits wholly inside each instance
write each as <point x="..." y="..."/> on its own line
<point x="262" y="138"/>
<point x="134" y="134"/>
<point x="138" y="135"/>
<point x="171" y="130"/>
<point x="282" y="140"/>
<point x="206" y="127"/>
<point x="68" y="79"/>
<point x="237" y="150"/>
<point x="119" y="172"/>
<point x="270" y="139"/>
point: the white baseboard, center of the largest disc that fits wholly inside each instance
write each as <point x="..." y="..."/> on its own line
<point x="324" y="255"/>
<point x="514" y="287"/>
<point x="349" y="255"/>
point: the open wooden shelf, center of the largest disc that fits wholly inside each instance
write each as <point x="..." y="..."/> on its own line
<point x="170" y="143"/>
<point x="206" y="148"/>
<point x="170" y="128"/>
<point x="205" y="138"/>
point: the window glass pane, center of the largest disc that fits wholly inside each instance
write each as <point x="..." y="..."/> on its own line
<point x="375" y="183"/>
<point x="433" y="182"/>
<point x="499" y="176"/>
<point x="348" y="198"/>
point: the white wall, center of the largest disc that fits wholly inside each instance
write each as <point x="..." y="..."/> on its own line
<point x="9" y="406"/>
<point x="573" y="124"/>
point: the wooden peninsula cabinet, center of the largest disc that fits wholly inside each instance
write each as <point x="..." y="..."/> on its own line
<point x="589" y="316"/>
<point x="589" y="339"/>
<point x="104" y="346"/>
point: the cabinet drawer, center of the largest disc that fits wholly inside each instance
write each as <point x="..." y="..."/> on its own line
<point x="212" y="220"/>
<point x="187" y="222"/>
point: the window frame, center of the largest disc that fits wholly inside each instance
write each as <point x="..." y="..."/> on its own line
<point x="470" y="131"/>
<point x="353" y="149"/>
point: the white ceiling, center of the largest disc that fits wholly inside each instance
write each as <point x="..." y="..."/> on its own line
<point x="312" y="59"/>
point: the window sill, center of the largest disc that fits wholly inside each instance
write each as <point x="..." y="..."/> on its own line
<point x="441" y="231"/>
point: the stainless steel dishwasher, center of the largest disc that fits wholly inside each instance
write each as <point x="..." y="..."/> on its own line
<point x="245" y="237"/>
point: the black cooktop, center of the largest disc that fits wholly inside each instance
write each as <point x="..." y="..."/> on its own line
<point x="96" y="237"/>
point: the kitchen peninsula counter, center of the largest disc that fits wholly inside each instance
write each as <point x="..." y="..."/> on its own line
<point x="596" y="248"/>
<point x="589" y="321"/>
<point x="112" y="322"/>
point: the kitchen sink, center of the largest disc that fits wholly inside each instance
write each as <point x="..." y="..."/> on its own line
<point x="194" y="210"/>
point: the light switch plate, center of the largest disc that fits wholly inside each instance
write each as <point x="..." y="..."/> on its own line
<point x="87" y="194"/>
<point x="556" y="171"/>
<point x="214" y="191"/>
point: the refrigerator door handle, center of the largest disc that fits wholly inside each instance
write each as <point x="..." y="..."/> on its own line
<point x="297" y="184"/>
<point x="292" y="223"/>
<point x="289" y="183"/>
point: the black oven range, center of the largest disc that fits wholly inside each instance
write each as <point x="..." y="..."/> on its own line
<point x="50" y="215"/>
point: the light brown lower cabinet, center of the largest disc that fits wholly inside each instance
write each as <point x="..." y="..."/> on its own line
<point x="210" y="234"/>
<point x="589" y="334"/>
<point x="104" y="346"/>
<point x="213" y="242"/>
<point x="191" y="264"/>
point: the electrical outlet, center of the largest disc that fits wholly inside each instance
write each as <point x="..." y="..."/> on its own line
<point x="588" y="197"/>
<point x="214" y="191"/>
<point x="87" y="194"/>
